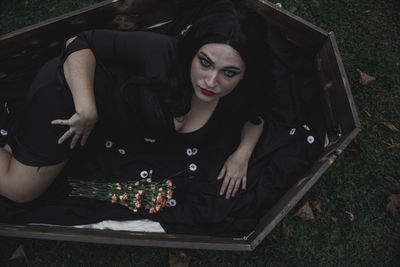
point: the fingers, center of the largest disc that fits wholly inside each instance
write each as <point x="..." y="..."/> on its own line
<point x="84" y="139"/>
<point x="221" y="173"/>
<point x="60" y="122"/>
<point x="224" y="185"/>
<point x="74" y="140"/>
<point x="65" y="136"/>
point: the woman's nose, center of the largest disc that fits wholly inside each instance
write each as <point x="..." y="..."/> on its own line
<point x="211" y="79"/>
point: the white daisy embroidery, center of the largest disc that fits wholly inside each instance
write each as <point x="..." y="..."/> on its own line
<point x="192" y="167"/>
<point x="109" y="144"/>
<point x="171" y="203"/>
<point x="144" y="174"/>
<point x="292" y="131"/>
<point x="310" y="139"/>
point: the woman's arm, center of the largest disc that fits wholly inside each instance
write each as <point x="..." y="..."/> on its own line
<point x="234" y="170"/>
<point x="79" y="69"/>
<point x="128" y="50"/>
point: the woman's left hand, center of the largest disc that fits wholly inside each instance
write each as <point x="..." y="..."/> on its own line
<point x="234" y="173"/>
<point x="80" y="126"/>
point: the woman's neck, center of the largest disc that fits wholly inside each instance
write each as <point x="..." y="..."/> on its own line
<point x="200" y="112"/>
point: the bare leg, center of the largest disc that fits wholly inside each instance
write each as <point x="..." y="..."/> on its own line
<point x="22" y="183"/>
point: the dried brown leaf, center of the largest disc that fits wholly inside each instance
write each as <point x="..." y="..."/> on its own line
<point x="287" y="231"/>
<point x="316" y="205"/>
<point x="392" y="145"/>
<point x="390" y="126"/>
<point x="365" y="79"/>
<point x="366" y="111"/>
<point x="393" y="204"/>
<point x="179" y="259"/>
<point x="305" y="213"/>
<point x="19" y="253"/>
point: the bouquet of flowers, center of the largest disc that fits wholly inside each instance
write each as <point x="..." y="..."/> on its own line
<point x="145" y="193"/>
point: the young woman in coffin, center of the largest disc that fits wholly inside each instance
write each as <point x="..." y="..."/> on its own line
<point x="189" y="109"/>
<point x="30" y="163"/>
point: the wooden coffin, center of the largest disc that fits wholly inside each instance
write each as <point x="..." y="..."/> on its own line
<point x="22" y="52"/>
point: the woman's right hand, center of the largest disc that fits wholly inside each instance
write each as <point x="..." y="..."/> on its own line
<point x="80" y="127"/>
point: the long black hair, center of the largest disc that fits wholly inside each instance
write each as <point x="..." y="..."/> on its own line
<point x="227" y="22"/>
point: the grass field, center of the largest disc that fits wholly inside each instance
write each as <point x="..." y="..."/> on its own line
<point x="368" y="35"/>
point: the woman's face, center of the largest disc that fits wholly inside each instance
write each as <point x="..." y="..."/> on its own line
<point x="215" y="71"/>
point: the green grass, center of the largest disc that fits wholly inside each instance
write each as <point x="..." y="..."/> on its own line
<point x="368" y="35"/>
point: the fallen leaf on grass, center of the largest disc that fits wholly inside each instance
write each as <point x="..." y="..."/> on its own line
<point x="179" y="259"/>
<point x="316" y="205"/>
<point x="366" y="111"/>
<point x="392" y="145"/>
<point x="334" y="219"/>
<point x="287" y="231"/>
<point x="19" y="253"/>
<point x="305" y="213"/>
<point x="365" y="79"/>
<point x="393" y="204"/>
<point x="390" y="126"/>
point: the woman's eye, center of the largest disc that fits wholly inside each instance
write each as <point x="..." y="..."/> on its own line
<point x="204" y="62"/>
<point x="229" y="73"/>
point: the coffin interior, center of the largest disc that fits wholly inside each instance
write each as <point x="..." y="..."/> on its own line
<point x="22" y="53"/>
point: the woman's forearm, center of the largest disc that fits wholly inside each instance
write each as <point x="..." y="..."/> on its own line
<point x="250" y="135"/>
<point x="79" y="69"/>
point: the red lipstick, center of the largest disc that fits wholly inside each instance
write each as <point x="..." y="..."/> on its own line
<point x="207" y="92"/>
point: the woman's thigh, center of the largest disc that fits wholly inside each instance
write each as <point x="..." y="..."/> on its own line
<point x="22" y="183"/>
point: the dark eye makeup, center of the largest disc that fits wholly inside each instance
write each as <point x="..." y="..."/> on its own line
<point x="206" y="64"/>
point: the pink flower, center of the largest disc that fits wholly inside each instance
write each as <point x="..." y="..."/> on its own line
<point x="135" y="210"/>
<point x="149" y="180"/>
<point x="169" y="194"/>
<point x="169" y="183"/>
<point x="138" y="204"/>
<point x="160" y="189"/>
<point x="138" y="196"/>
<point x="153" y="200"/>
<point x="164" y="203"/>
<point x="141" y="192"/>
<point x="159" y="198"/>
<point x="137" y="183"/>
<point x="114" y="198"/>
<point x="119" y="186"/>
<point x="158" y="207"/>
<point x="124" y="197"/>
<point x="152" y="210"/>
<point x="130" y="188"/>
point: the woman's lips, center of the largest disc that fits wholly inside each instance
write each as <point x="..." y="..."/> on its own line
<point x="207" y="92"/>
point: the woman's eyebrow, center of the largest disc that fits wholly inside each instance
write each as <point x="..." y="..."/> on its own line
<point x="206" y="56"/>
<point x="212" y="62"/>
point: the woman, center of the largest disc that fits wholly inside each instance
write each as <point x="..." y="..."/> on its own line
<point x="187" y="110"/>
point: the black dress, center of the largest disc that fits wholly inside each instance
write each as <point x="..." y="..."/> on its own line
<point x="135" y="133"/>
